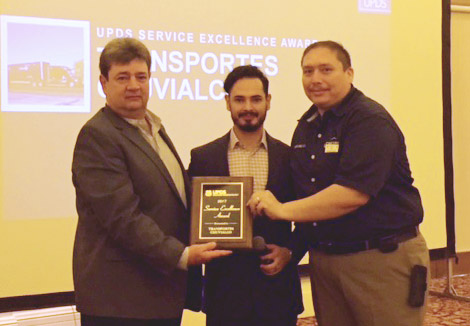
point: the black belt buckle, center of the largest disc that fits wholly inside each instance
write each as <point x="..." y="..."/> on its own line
<point x="388" y="244"/>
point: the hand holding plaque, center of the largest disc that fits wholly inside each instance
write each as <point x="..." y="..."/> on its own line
<point x="219" y="212"/>
<point x="265" y="203"/>
<point x="203" y="253"/>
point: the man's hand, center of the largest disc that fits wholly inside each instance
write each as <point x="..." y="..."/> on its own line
<point x="264" y="202"/>
<point x="280" y="257"/>
<point x="203" y="253"/>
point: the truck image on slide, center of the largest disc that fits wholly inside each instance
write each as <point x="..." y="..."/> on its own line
<point x="41" y="74"/>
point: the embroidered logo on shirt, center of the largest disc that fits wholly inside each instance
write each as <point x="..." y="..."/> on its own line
<point x="332" y="146"/>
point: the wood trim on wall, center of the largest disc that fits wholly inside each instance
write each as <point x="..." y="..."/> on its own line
<point x="40" y="301"/>
<point x="460" y="265"/>
<point x="460" y="3"/>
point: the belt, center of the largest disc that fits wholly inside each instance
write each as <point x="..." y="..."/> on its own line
<point x="385" y="244"/>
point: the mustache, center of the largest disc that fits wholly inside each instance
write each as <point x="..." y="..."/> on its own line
<point x="247" y="113"/>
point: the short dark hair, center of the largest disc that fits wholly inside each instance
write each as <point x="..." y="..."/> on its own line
<point x="341" y="53"/>
<point x="248" y="71"/>
<point x="123" y="50"/>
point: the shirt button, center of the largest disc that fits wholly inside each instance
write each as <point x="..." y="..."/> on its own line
<point x="312" y="157"/>
<point x="313" y="179"/>
<point x="314" y="223"/>
<point x="319" y="135"/>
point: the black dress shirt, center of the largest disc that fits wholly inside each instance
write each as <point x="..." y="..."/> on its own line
<point x="355" y="144"/>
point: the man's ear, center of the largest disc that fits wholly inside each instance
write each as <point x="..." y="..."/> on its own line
<point x="268" y="102"/>
<point x="350" y="72"/>
<point x="103" y="82"/>
<point x="227" y="101"/>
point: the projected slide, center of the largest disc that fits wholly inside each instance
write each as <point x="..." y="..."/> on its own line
<point x="50" y="69"/>
<point x="45" y="65"/>
<point x="375" y="6"/>
<point x="50" y="87"/>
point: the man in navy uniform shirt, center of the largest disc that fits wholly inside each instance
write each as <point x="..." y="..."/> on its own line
<point x="360" y="211"/>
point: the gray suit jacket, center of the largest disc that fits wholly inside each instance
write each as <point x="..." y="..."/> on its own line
<point x="132" y="225"/>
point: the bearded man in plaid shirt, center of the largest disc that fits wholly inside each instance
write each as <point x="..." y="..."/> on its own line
<point x="251" y="288"/>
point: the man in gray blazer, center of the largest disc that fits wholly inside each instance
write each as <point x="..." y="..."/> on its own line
<point x="131" y="256"/>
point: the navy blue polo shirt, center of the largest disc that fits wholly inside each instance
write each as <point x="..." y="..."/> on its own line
<point x="356" y="144"/>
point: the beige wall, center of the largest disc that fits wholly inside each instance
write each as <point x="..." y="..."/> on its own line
<point x="460" y="2"/>
<point x="417" y="104"/>
<point x="46" y="244"/>
<point x="461" y="124"/>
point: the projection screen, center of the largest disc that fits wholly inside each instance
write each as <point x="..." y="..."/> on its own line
<point x="49" y="89"/>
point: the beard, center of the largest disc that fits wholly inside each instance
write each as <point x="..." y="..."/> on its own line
<point x="251" y="125"/>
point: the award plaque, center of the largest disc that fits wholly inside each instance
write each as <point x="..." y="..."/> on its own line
<point x="219" y="212"/>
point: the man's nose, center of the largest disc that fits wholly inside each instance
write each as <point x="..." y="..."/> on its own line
<point x="315" y="77"/>
<point x="251" y="105"/>
<point x="133" y="83"/>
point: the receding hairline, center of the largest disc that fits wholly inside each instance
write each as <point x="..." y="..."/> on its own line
<point x="342" y="54"/>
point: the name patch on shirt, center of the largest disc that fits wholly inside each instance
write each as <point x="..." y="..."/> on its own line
<point x="300" y="146"/>
<point x="332" y="147"/>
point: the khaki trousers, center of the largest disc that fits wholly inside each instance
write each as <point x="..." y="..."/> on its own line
<point x="369" y="288"/>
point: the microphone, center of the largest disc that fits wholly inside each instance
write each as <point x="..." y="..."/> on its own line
<point x="259" y="246"/>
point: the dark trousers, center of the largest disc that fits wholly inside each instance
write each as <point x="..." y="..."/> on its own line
<point x="254" y="321"/>
<point x="87" y="320"/>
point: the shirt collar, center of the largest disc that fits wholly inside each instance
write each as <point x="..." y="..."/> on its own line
<point x="234" y="141"/>
<point x="150" y="116"/>
<point x="342" y="107"/>
<point x="338" y="110"/>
